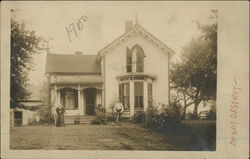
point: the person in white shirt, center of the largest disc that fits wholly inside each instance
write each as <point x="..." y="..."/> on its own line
<point x="118" y="109"/>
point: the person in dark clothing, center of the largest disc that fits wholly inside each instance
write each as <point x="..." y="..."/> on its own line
<point x="60" y="116"/>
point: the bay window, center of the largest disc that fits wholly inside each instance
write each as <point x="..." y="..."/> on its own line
<point x="150" y="94"/>
<point x="124" y="95"/>
<point x="138" y="88"/>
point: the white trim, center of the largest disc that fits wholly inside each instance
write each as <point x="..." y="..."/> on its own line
<point x="137" y="29"/>
<point x="131" y="98"/>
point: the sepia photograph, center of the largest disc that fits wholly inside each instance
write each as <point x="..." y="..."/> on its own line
<point x="131" y="76"/>
<point x="113" y="82"/>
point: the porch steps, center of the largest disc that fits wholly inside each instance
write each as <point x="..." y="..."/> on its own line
<point x="86" y="119"/>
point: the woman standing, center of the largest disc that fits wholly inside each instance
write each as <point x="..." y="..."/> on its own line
<point x="62" y="112"/>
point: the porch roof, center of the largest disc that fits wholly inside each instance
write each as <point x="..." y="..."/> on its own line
<point x="98" y="79"/>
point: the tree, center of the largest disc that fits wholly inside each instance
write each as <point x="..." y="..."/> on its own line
<point x="44" y="111"/>
<point x="195" y="75"/>
<point x="24" y="44"/>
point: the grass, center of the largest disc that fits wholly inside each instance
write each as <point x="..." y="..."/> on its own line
<point x="127" y="136"/>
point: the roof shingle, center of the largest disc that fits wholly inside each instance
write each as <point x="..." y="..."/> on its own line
<point x="71" y="63"/>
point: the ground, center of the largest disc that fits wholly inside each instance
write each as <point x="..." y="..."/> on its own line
<point x="126" y="136"/>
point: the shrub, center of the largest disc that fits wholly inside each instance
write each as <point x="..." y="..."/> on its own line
<point x="45" y="115"/>
<point x="151" y="114"/>
<point x="139" y="117"/>
<point x="211" y="115"/>
<point x="32" y="121"/>
<point x="110" y="117"/>
<point x="100" y="110"/>
<point x="191" y="116"/>
<point x="98" y="121"/>
<point x="168" y="117"/>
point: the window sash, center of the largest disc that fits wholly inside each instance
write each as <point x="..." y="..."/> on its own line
<point x="138" y="90"/>
<point x="124" y="95"/>
<point x="150" y="94"/>
<point x="69" y="99"/>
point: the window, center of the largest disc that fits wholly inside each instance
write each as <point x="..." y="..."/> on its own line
<point x="135" y="59"/>
<point x="138" y="94"/>
<point x="139" y="64"/>
<point x="69" y="98"/>
<point x="129" y="61"/>
<point x="150" y="94"/>
<point x="124" y="95"/>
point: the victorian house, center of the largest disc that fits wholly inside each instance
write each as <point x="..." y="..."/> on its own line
<point x="133" y="69"/>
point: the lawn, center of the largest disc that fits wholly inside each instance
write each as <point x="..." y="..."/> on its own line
<point x="126" y="136"/>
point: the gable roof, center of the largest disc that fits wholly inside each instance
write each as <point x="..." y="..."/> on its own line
<point x="137" y="29"/>
<point x="71" y="63"/>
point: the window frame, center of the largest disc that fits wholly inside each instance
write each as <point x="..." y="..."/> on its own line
<point x="138" y="99"/>
<point x="150" y="94"/>
<point x="124" y="94"/>
<point x="63" y="98"/>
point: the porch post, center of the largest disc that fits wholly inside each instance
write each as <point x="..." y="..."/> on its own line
<point x="80" y="108"/>
<point x="132" y="98"/>
<point x="102" y="98"/>
<point x="83" y="103"/>
<point x="58" y="97"/>
<point x="145" y="94"/>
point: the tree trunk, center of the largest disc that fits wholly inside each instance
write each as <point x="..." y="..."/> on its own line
<point x="184" y="112"/>
<point x="195" y="112"/>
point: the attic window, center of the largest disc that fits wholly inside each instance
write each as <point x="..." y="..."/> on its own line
<point x="135" y="59"/>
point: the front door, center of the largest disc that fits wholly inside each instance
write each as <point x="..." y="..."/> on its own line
<point x="90" y="96"/>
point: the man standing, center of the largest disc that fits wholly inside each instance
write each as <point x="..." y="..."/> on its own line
<point x="118" y="109"/>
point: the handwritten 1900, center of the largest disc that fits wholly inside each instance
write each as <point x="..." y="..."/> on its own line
<point x="75" y="27"/>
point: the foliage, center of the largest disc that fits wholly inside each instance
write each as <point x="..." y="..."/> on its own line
<point x="44" y="111"/>
<point x="99" y="121"/>
<point x="100" y="110"/>
<point x="139" y="117"/>
<point x="110" y="117"/>
<point x="195" y="75"/>
<point x="24" y="44"/>
<point x="211" y="115"/>
<point x="45" y="115"/>
<point x="191" y="116"/>
<point x="166" y="118"/>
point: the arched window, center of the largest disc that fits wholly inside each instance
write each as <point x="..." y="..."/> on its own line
<point x="135" y="59"/>
<point x="69" y="98"/>
<point x="129" y="61"/>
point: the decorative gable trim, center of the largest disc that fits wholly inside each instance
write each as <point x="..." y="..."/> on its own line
<point x="137" y="29"/>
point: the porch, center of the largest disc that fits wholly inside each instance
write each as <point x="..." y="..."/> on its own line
<point x="79" y="95"/>
<point x="77" y="100"/>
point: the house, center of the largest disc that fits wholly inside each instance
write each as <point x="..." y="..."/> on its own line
<point x="133" y="69"/>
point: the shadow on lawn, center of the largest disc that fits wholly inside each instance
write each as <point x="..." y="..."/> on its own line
<point x="193" y="135"/>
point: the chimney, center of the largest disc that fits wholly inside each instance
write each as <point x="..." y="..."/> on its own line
<point x="78" y="53"/>
<point x="128" y="25"/>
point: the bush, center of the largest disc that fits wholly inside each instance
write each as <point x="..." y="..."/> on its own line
<point x="168" y="117"/>
<point x="45" y="115"/>
<point x="110" y="118"/>
<point x="32" y="121"/>
<point x="139" y="117"/>
<point x="191" y="116"/>
<point x="99" y="121"/>
<point x="211" y="115"/>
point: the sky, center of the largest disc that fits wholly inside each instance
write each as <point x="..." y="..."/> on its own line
<point x="174" y="23"/>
